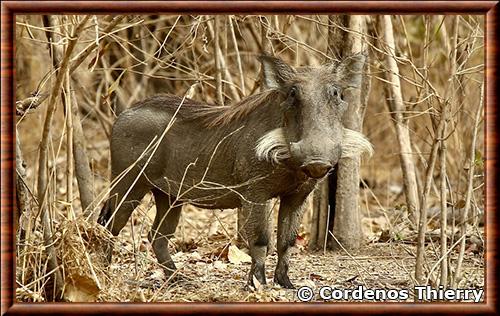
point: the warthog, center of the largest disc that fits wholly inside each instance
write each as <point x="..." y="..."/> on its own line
<point x="277" y="143"/>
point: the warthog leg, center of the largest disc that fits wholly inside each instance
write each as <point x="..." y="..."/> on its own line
<point x="257" y="233"/>
<point x="289" y="218"/>
<point x="165" y="223"/>
<point x="242" y="239"/>
<point x="115" y="219"/>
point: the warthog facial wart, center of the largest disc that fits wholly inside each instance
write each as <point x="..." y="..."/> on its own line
<point x="272" y="146"/>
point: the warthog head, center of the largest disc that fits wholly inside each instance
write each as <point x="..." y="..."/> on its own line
<point x="312" y="136"/>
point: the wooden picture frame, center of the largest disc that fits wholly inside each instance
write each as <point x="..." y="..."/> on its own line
<point x="12" y="8"/>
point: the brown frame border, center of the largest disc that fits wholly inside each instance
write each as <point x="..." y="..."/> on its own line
<point x="10" y="8"/>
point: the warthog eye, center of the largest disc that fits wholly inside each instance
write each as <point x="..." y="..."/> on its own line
<point x="336" y="92"/>
<point x="293" y="92"/>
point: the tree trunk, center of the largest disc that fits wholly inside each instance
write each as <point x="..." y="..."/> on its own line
<point x="402" y="131"/>
<point x="82" y="167"/>
<point x="56" y="277"/>
<point x="23" y="211"/>
<point x="320" y="218"/>
<point x="338" y="197"/>
<point x="347" y="222"/>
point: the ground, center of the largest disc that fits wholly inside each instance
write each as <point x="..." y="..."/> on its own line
<point x="213" y="276"/>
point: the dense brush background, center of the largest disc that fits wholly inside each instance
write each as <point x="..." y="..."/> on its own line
<point x="145" y="55"/>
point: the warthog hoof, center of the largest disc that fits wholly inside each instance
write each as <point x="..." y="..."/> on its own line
<point x="259" y="272"/>
<point x="283" y="280"/>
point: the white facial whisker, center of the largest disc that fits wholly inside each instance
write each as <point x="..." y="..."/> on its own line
<point x="272" y="147"/>
<point x="354" y="144"/>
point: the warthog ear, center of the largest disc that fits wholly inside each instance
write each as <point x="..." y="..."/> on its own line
<point x="350" y="70"/>
<point x="276" y="72"/>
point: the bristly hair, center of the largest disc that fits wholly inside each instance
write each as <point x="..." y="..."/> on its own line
<point x="272" y="147"/>
<point x="217" y="116"/>
<point x="354" y="144"/>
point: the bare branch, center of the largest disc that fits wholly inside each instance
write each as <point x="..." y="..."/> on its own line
<point x="30" y="103"/>
<point x="42" y="165"/>
<point x="402" y="131"/>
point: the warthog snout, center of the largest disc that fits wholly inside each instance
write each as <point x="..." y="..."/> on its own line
<point x="316" y="157"/>
<point x="316" y="169"/>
